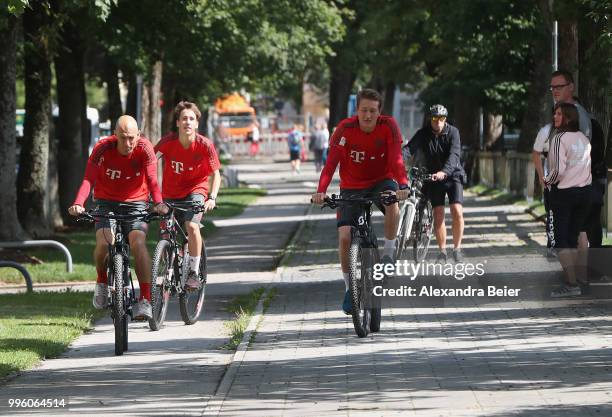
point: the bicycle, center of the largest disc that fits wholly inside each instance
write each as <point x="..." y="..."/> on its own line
<point x="363" y="255"/>
<point x="169" y="270"/>
<point x="416" y="219"/>
<point x="120" y="284"/>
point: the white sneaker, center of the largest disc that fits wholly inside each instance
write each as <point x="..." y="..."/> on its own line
<point x="142" y="310"/>
<point x="100" y="297"/>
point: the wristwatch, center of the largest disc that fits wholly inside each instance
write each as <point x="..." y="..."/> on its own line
<point x="212" y="198"/>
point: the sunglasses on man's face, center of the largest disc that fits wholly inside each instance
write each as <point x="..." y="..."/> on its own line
<point x="558" y="87"/>
<point x="438" y="118"/>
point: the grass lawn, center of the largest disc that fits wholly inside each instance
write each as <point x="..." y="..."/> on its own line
<point x="231" y="201"/>
<point x="40" y="325"/>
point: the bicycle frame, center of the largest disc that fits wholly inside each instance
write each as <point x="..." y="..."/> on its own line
<point x="170" y="271"/>
<point x="121" y="246"/>
<point x="364" y="229"/>
<point x="363" y="255"/>
<point x="169" y="230"/>
<point x="410" y="208"/>
<point x="123" y="294"/>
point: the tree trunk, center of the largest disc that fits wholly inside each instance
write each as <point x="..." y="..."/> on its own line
<point x="33" y="167"/>
<point x="340" y="88"/>
<point x="568" y="47"/>
<point x="466" y="118"/>
<point x="53" y="200"/>
<point x="170" y="101"/>
<point x="130" y="106"/>
<point x="11" y="229"/>
<point x="492" y="131"/>
<point x="70" y="91"/>
<point x="537" y="112"/>
<point x="112" y="88"/>
<point x="388" y="97"/>
<point x="145" y="109"/>
<point x="594" y="65"/>
<point x="154" y="100"/>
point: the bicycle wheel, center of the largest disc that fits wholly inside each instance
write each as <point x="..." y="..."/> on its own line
<point x="160" y="288"/>
<point x="403" y="231"/>
<point x="375" y="311"/>
<point x="118" y="309"/>
<point x="358" y="261"/>
<point x="191" y="302"/>
<point x="424" y="230"/>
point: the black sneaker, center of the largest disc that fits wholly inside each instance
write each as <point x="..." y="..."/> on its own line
<point x="566" y="291"/>
<point x="458" y="256"/>
<point x="442" y="258"/>
<point x="387" y="260"/>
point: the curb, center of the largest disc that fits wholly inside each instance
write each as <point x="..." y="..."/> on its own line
<point x="215" y="403"/>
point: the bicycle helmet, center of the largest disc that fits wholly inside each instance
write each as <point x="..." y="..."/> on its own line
<point x="438" y="110"/>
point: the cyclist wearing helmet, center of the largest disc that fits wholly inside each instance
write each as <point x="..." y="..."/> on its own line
<point x="438" y="146"/>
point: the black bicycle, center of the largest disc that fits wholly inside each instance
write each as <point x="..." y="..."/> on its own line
<point x="170" y="271"/>
<point x="363" y="255"/>
<point x="120" y="284"/>
<point x="416" y="219"/>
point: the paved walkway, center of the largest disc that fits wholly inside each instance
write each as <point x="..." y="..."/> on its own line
<point x="176" y="370"/>
<point x="446" y="357"/>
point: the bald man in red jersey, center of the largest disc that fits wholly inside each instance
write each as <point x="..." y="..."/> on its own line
<point x="122" y="168"/>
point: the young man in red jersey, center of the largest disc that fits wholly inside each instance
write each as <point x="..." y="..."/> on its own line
<point x="189" y="160"/>
<point x="368" y="149"/>
<point x="122" y="169"/>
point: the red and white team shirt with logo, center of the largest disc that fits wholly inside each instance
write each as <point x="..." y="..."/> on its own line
<point x="365" y="158"/>
<point x="186" y="170"/>
<point x="121" y="178"/>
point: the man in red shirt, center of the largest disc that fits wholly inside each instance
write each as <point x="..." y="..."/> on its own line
<point x="368" y="149"/>
<point x="189" y="160"/>
<point x="122" y="169"/>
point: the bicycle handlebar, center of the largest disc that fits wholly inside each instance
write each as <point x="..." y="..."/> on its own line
<point x="92" y="215"/>
<point x="195" y="207"/>
<point x="334" y="201"/>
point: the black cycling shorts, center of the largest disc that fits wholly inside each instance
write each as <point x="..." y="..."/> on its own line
<point x="349" y="215"/>
<point x="116" y="207"/>
<point x="437" y="191"/>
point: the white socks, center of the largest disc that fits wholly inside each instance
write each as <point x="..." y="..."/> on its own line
<point x="389" y="248"/>
<point x="194" y="264"/>
<point x="345" y="275"/>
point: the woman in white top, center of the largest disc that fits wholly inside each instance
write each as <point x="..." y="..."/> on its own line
<point x="569" y="181"/>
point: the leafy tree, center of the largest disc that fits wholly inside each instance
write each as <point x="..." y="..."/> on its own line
<point x="33" y="166"/>
<point x="9" y="26"/>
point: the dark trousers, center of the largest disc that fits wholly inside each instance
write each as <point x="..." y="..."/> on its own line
<point x="570" y="209"/>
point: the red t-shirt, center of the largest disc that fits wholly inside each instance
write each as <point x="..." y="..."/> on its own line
<point x="365" y="158"/>
<point x="186" y="170"/>
<point x="120" y="178"/>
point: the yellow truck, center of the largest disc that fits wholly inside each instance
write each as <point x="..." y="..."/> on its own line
<point x="234" y="115"/>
